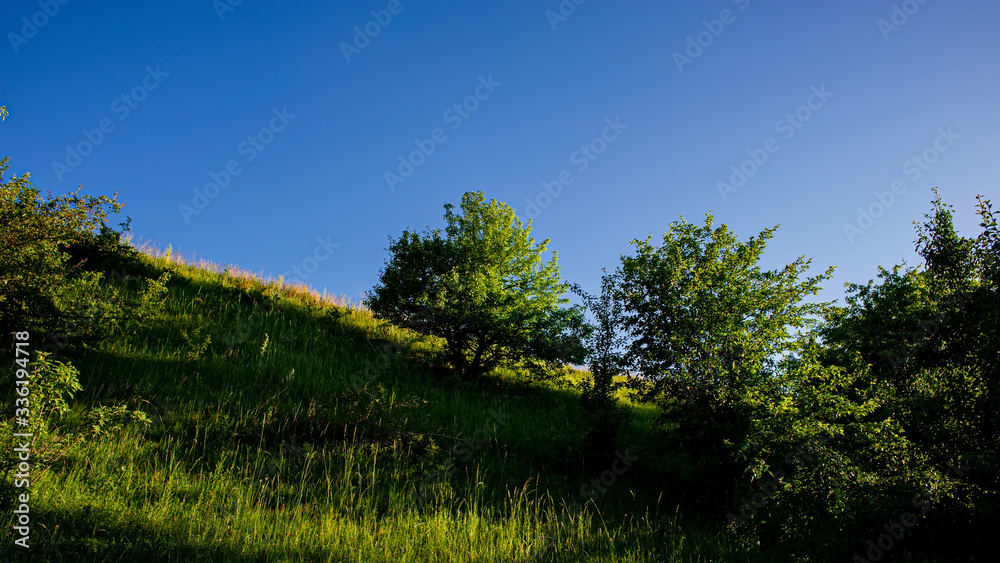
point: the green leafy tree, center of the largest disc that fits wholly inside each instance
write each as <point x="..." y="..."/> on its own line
<point x="930" y="336"/>
<point x="481" y="285"/>
<point x="824" y="471"/>
<point x="707" y="325"/>
<point x="36" y="233"/>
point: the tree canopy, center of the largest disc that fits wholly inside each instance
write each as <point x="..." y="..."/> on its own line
<point x="482" y="286"/>
<point x="704" y="315"/>
<point x="706" y="326"/>
<point x="35" y="234"/>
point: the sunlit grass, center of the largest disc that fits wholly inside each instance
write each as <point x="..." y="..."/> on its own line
<point x="293" y="426"/>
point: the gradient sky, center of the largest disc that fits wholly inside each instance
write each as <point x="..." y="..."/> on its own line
<point x="184" y="90"/>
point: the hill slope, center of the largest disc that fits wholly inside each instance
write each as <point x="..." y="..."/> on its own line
<point x="286" y="426"/>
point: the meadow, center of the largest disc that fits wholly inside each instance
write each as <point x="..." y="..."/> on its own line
<point x="278" y="424"/>
<point x="165" y="409"/>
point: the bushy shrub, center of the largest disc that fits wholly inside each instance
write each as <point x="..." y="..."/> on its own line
<point x="824" y="470"/>
<point x="930" y="337"/>
<point x="35" y="235"/>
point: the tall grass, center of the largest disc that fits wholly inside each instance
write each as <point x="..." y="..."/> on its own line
<point x="288" y="425"/>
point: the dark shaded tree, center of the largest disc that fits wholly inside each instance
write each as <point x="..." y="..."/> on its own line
<point x="605" y="342"/>
<point x="931" y="339"/>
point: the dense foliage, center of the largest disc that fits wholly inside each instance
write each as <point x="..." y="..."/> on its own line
<point x="483" y="288"/>
<point x="816" y="429"/>
<point x="36" y="233"/>
<point x="706" y="325"/>
<point x="929" y="339"/>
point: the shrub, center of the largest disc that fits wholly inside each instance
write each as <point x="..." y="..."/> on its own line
<point x="35" y="233"/>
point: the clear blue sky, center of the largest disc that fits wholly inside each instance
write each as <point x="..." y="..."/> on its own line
<point x="184" y="92"/>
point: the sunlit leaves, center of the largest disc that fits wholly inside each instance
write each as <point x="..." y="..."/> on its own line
<point x="482" y="286"/>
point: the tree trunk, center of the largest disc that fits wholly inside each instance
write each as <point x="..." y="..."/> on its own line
<point x="475" y="367"/>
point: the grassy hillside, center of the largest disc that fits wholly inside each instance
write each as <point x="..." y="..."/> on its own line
<point x="287" y="426"/>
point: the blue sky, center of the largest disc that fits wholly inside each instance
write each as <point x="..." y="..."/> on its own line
<point x="644" y="109"/>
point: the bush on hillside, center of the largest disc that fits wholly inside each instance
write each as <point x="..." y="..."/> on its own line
<point x="36" y="233"/>
<point x="931" y="338"/>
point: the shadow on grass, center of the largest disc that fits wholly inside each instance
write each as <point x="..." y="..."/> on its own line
<point x="99" y="535"/>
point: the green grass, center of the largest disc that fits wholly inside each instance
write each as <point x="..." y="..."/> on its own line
<point x="290" y="426"/>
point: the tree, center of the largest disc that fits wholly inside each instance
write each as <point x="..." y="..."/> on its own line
<point x="707" y="325"/>
<point x="482" y="287"/>
<point x="823" y="468"/>
<point x="35" y="233"/>
<point x="702" y="313"/>
<point x="931" y="336"/>
<point x="605" y="344"/>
